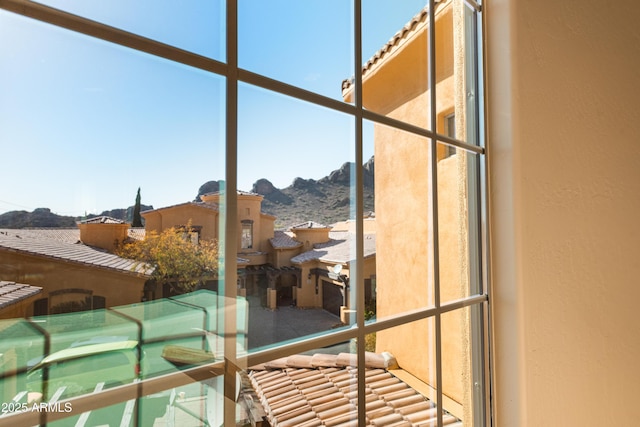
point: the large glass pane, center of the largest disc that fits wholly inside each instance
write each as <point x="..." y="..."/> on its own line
<point x="395" y="56"/>
<point x="97" y="121"/>
<point x="91" y="123"/>
<point x="21" y="347"/>
<point x="295" y="171"/>
<point x="402" y="276"/>
<point x="198" y="26"/>
<point x="458" y="223"/>
<point x="308" y="44"/>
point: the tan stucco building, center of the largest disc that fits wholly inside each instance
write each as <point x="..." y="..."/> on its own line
<point x="71" y="274"/>
<point x="282" y="267"/>
<point x="395" y="84"/>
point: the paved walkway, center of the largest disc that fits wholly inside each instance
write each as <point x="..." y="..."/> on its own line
<point x="285" y="323"/>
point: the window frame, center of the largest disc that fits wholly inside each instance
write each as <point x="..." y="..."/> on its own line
<point x="235" y="75"/>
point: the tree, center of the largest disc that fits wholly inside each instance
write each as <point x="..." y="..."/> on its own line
<point x="137" y="219"/>
<point x="175" y="259"/>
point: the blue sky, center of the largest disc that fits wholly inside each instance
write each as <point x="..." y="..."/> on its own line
<point x="84" y="123"/>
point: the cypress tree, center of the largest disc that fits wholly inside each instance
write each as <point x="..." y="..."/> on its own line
<point x="137" y="219"/>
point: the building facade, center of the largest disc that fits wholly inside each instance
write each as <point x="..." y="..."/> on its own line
<point x="395" y="84"/>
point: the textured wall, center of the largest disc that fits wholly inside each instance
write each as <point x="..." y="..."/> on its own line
<point x="565" y="156"/>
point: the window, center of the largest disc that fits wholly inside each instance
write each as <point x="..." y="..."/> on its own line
<point x="331" y="101"/>
<point x="190" y="233"/>
<point x="247" y="234"/>
<point x="450" y="131"/>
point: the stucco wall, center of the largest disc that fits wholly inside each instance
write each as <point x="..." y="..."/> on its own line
<point x="22" y="308"/>
<point x="105" y="236"/>
<point x="404" y="218"/>
<point x="162" y="219"/>
<point x="565" y="196"/>
<point x="52" y="275"/>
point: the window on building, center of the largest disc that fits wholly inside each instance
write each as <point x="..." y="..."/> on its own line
<point x="247" y="234"/>
<point x="450" y="131"/>
<point x="306" y="95"/>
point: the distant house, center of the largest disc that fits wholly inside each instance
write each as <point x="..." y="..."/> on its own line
<point x="324" y="257"/>
<point x="306" y="266"/>
<point x="281" y="267"/>
<point x="73" y="276"/>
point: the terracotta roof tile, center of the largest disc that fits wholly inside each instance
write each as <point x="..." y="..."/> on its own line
<point x="295" y="393"/>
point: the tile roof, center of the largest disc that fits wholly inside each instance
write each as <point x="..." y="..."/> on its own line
<point x="284" y="240"/>
<point x="322" y="390"/>
<point x="239" y="192"/>
<point x="402" y="34"/>
<point x="212" y="206"/>
<point x="71" y="252"/>
<point x="309" y="224"/>
<point x="11" y="292"/>
<point x="339" y="249"/>
<point x="102" y="220"/>
<point x="137" y="233"/>
<point x="68" y="235"/>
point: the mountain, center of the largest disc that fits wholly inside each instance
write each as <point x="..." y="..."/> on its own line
<point x="124" y="214"/>
<point x="326" y="200"/>
<point x="40" y="217"/>
<point x="44" y="218"/>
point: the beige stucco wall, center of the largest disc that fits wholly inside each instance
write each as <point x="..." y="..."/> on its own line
<point x="311" y="236"/>
<point x="306" y="295"/>
<point x="105" y="236"/>
<point x="181" y="215"/>
<point x="565" y="185"/>
<point x="22" y="308"/>
<point x="52" y="275"/>
<point x="249" y="208"/>
<point x="266" y="232"/>
<point x="404" y="214"/>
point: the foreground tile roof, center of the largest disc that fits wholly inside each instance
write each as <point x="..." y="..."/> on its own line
<point x="17" y="241"/>
<point x="321" y="390"/>
<point x="11" y="292"/>
<point x="338" y="250"/>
